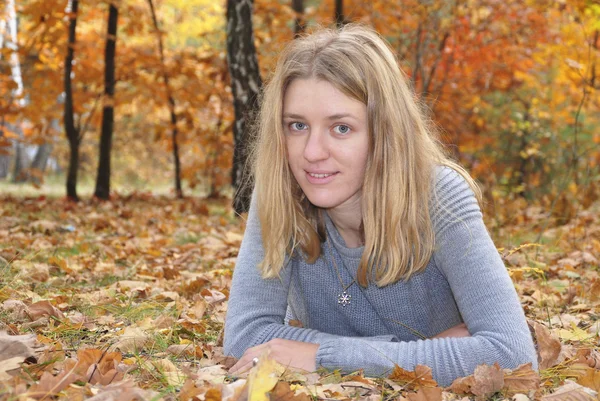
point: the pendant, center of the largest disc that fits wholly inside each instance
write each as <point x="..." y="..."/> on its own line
<point x="344" y="298"/>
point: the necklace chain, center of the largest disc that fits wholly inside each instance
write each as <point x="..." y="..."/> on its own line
<point x="343" y="298"/>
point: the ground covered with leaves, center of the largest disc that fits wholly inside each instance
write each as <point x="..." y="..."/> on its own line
<point x="125" y="300"/>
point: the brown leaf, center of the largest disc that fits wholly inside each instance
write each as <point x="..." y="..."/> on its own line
<point x="13" y="351"/>
<point x="570" y="391"/>
<point x="521" y="380"/>
<point x="50" y="385"/>
<point x="213" y="394"/>
<point x="283" y="392"/>
<point x="548" y="345"/>
<point x="462" y="385"/>
<point x="189" y="390"/>
<point x="426" y="394"/>
<point x="488" y="380"/>
<point x="43" y="308"/>
<point x="411" y="380"/>
<point x="485" y="381"/>
<point x="590" y="379"/>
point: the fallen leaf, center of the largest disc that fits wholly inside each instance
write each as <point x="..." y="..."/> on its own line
<point x="520" y="380"/>
<point x="283" y="392"/>
<point x="485" y="381"/>
<point x="263" y="377"/>
<point x="548" y="345"/>
<point x="170" y="372"/>
<point x="43" y="308"/>
<point x="132" y="339"/>
<point x="421" y="376"/>
<point x="571" y="391"/>
<point x="590" y="379"/>
<point x="426" y="394"/>
<point x="13" y="351"/>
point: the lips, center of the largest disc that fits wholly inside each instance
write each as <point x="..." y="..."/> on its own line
<point x="320" y="177"/>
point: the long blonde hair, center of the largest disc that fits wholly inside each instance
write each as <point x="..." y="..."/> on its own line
<point x="403" y="152"/>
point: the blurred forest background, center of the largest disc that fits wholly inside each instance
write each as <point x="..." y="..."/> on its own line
<point x="513" y="85"/>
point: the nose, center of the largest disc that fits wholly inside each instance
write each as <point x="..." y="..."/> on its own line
<point x="316" y="147"/>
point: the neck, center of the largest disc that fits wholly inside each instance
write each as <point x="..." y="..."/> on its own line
<point x="348" y="223"/>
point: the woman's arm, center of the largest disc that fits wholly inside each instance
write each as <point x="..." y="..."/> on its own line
<point x="256" y="308"/>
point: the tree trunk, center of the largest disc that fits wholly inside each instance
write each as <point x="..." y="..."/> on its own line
<point x="73" y="169"/>
<point x="339" y="13"/>
<point x="71" y="131"/>
<point x="171" y="99"/>
<point x="298" y="7"/>
<point x="38" y="165"/>
<point x="103" y="177"/>
<point x="245" y="85"/>
<point x="20" y="168"/>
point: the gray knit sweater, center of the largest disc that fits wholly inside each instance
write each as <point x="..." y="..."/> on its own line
<point x="465" y="281"/>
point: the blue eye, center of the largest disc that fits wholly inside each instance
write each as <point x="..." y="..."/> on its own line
<point x="298" y="126"/>
<point x="341" y="129"/>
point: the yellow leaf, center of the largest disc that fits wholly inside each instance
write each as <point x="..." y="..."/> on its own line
<point x="575" y="334"/>
<point x="263" y="377"/>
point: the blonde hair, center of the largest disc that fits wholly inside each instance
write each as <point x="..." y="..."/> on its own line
<point x="403" y="153"/>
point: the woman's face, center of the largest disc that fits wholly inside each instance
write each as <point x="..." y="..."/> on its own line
<point x="327" y="143"/>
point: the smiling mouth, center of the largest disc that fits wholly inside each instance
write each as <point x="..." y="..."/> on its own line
<point x="321" y="175"/>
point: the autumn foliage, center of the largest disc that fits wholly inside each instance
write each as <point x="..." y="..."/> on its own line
<point x="512" y="85"/>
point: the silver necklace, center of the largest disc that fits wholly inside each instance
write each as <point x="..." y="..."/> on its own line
<point x="343" y="298"/>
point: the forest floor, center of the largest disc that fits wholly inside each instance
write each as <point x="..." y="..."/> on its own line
<point x="125" y="300"/>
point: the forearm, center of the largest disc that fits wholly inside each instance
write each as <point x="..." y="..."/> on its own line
<point x="449" y="358"/>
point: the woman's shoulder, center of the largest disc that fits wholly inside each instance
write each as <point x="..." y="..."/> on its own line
<point x="452" y="195"/>
<point x="448" y="181"/>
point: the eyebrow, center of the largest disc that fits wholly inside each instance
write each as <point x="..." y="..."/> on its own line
<point x="331" y="117"/>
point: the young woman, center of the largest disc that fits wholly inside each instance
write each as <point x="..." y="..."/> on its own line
<point x="364" y="245"/>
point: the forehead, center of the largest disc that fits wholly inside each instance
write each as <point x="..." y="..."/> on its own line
<point x="313" y="97"/>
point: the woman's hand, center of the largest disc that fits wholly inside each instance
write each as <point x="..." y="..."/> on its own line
<point x="456" y="331"/>
<point x="295" y="354"/>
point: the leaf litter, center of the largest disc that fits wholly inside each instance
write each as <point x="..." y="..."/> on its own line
<point x="126" y="301"/>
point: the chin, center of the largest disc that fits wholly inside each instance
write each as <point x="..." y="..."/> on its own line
<point x="322" y="201"/>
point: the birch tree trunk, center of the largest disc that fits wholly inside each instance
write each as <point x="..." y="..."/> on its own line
<point x="245" y="86"/>
<point x="8" y="39"/>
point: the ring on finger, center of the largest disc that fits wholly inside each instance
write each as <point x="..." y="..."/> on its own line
<point x="254" y="361"/>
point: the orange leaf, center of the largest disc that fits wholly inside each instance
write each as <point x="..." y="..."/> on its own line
<point x="591" y="379"/>
<point x="283" y="392"/>
<point x="420" y="377"/>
